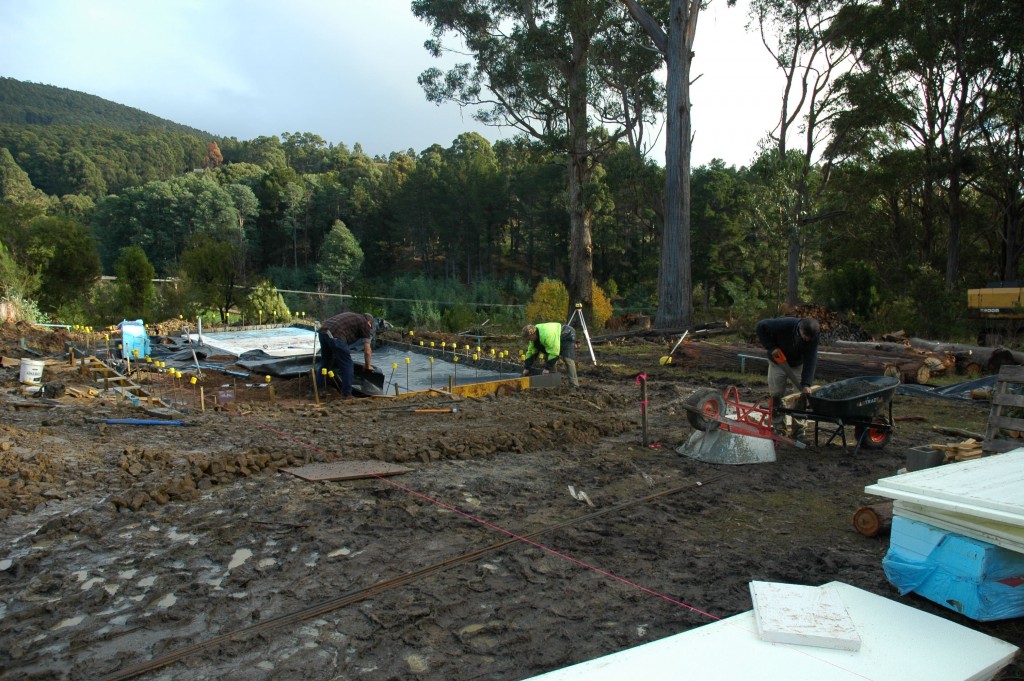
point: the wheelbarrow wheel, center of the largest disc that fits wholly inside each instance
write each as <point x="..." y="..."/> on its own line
<point x="878" y="433"/>
<point x="702" y="404"/>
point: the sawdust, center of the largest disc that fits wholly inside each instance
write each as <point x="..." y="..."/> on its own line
<point x="125" y="543"/>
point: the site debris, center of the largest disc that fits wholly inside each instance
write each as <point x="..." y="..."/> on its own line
<point x="192" y="551"/>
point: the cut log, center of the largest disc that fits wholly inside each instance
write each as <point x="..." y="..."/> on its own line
<point x="873" y="520"/>
<point x="915" y="373"/>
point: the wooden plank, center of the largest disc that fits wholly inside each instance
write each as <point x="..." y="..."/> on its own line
<point x="1007" y="401"/>
<point x="1012" y="372"/>
<point x="346" y="470"/>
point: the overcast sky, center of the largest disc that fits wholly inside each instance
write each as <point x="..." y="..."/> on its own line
<point x="343" y="69"/>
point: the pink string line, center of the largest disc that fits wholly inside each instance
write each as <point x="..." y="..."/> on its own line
<point x="485" y="523"/>
<point x="525" y="540"/>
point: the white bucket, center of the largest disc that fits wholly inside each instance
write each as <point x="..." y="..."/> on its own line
<point x="32" y="371"/>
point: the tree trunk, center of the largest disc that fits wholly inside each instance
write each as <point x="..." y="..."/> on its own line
<point x="674" y="273"/>
<point x="581" y="248"/>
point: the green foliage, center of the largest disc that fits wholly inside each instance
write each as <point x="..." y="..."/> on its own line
<point x="747" y="306"/>
<point x="15" y="185"/>
<point x="165" y="217"/>
<point x="35" y="104"/>
<point x="851" y="287"/>
<point x="639" y="298"/>
<point x="939" y="309"/>
<point x="136" y="292"/>
<point x="425" y="314"/>
<point x="898" y="314"/>
<point x="459" y="318"/>
<point x="16" y="285"/>
<point x="550" y="303"/>
<point x="340" y="258"/>
<point x="16" y="282"/>
<point x="264" y="303"/>
<point x="211" y="270"/>
<point x="65" y="252"/>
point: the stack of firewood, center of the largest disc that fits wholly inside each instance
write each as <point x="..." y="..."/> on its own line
<point x="961" y="451"/>
<point x="833" y="326"/>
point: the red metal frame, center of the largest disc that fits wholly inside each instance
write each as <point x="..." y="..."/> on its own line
<point x="749" y="419"/>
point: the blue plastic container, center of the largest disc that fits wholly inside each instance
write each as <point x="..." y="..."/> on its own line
<point x="134" y="338"/>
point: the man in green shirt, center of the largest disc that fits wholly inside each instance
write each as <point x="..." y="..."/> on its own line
<point x="555" y="341"/>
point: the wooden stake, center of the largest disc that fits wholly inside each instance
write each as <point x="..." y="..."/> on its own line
<point x="643" y="408"/>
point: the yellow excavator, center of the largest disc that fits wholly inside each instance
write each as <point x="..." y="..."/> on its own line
<point x="1001" y="307"/>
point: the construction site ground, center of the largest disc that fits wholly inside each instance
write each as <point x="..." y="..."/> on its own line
<point x="533" y="529"/>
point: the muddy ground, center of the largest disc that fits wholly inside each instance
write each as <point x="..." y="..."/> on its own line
<point x="186" y="552"/>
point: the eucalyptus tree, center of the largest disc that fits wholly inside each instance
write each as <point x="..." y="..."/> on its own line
<point x="421" y="205"/>
<point x="213" y="271"/>
<point x="536" y="205"/>
<point x="927" y="72"/>
<point x="476" y="206"/>
<point x="553" y="71"/>
<point x="627" y="230"/>
<point x="797" y="36"/>
<point x="306" y="152"/>
<point x="163" y="218"/>
<point x="66" y="254"/>
<point x="1001" y="180"/>
<point x="673" y="35"/>
<point x="15" y="185"/>
<point x="722" y="248"/>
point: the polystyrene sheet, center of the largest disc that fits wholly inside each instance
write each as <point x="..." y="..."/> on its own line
<point x="898" y="643"/>
<point x="990" y="487"/>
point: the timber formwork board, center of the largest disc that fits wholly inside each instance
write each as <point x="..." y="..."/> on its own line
<point x="112" y="380"/>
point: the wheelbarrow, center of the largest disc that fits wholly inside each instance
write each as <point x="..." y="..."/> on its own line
<point x="730" y="430"/>
<point x="864" y="402"/>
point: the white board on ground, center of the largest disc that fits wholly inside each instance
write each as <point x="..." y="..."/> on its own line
<point x="805" y="615"/>
<point x="898" y="642"/>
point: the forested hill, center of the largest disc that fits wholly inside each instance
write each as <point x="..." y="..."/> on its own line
<point x="23" y="103"/>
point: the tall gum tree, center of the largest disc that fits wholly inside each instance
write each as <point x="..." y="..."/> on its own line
<point x="796" y="35"/>
<point x="553" y="71"/>
<point x="928" y="75"/>
<point x="675" y="45"/>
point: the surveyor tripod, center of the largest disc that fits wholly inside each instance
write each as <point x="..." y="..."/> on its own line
<point x="578" y="313"/>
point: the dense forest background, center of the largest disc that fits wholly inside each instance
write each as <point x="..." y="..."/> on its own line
<point x="907" y="189"/>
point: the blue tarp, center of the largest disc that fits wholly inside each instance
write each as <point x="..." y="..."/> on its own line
<point x="958" y="391"/>
<point x="972" y="577"/>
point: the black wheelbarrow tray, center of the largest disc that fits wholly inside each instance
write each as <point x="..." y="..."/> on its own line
<point x="860" y="402"/>
<point x="855" y="398"/>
